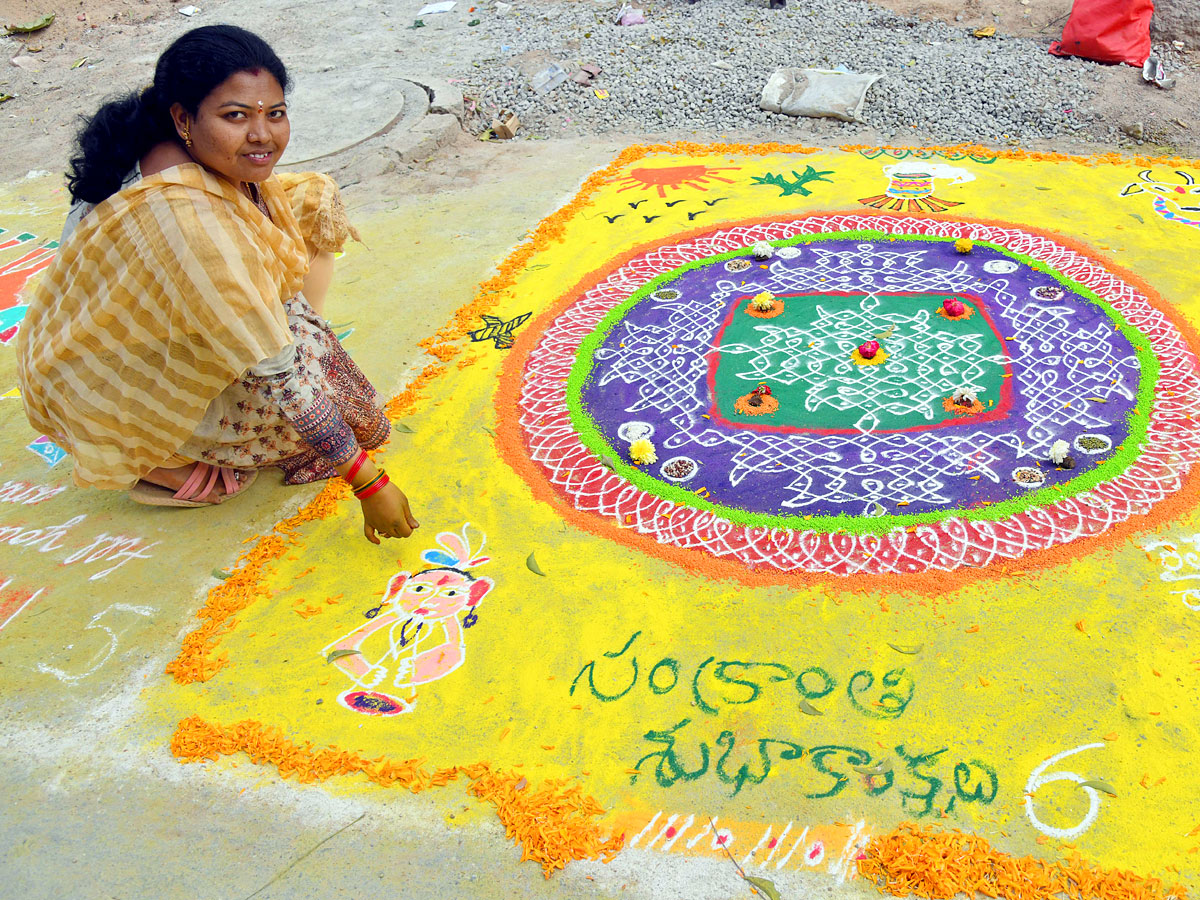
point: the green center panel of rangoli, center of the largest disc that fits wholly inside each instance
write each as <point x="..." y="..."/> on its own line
<point x="805" y="355"/>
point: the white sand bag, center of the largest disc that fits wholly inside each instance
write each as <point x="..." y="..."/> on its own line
<point x="817" y="92"/>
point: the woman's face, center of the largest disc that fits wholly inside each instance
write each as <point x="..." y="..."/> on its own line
<point x="241" y="128"/>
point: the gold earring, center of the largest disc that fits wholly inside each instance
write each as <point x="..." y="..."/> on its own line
<point x="187" y="137"/>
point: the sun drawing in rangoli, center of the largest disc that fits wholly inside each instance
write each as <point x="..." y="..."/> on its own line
<point x="673" y="177"/>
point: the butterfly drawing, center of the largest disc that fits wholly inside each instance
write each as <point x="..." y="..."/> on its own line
<point x="497" y="330"/>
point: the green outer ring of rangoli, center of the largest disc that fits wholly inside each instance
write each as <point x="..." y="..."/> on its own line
<point x="1137" y="422"/>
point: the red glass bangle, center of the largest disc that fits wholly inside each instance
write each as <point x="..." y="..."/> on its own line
<point x="374" y="488"/>
<point x="362" y="487"/>
<point x="358" y="464"/>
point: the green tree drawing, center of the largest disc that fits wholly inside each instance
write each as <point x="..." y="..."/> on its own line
<point x="799" y="186"/>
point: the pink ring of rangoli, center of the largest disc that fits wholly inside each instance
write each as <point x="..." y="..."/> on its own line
<point x="1172" y="445"/>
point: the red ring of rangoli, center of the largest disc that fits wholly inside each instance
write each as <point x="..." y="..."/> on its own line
<point x="1172" y="445"/>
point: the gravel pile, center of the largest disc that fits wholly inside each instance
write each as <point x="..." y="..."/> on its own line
<point x="702" y="67"/>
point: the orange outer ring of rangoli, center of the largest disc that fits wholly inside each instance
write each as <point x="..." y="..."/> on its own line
<point x="545" y="354"/>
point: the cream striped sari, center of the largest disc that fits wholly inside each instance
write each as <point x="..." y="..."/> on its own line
<point x="165" y="294"/>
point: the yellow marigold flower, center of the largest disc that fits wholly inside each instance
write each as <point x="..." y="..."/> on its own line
<point x="962" y="245"/>
<point x="764" y="302"/>
<point x="642" y="452"/>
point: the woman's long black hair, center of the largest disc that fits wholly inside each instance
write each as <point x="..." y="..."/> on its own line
<point x="123" y="130"/>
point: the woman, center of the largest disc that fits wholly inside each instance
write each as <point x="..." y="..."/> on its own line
<point x="176" y="345"/>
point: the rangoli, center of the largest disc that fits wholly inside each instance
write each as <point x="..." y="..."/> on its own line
<point x="864" y="469"/>
<point x="771" y="498"/>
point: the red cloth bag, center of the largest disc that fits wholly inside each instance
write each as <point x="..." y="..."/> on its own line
<point x="1115" y="31"/>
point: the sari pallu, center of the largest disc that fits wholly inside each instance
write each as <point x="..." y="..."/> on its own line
<point x="166" y="294"/>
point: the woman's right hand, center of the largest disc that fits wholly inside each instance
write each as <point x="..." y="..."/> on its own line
<point x="386" y="514"/>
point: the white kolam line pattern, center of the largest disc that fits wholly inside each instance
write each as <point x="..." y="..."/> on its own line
<point x="667" y="364"/>
<point x="1171" y="449"/>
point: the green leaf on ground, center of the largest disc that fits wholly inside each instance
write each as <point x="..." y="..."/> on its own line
<point x="1099" y="786"/>
<point x="402" y="428"/>
<point x="338" y="654"/>
<point x="912" y="650"/>
<point x="31" y="27"/>
<point x="532" y="564"/>
<point x="767" y="888"/>
<point x="880" y="768"/>
<point x="808" y="709"/>
<point x="217" y="573"/>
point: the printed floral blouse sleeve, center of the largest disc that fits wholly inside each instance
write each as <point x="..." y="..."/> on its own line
<point x="314" y="416"/>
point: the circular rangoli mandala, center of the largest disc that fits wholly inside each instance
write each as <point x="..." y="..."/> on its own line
<point x="936" y="455"/>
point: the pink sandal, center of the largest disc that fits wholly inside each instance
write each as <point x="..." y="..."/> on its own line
<point x="199" y="485"/>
